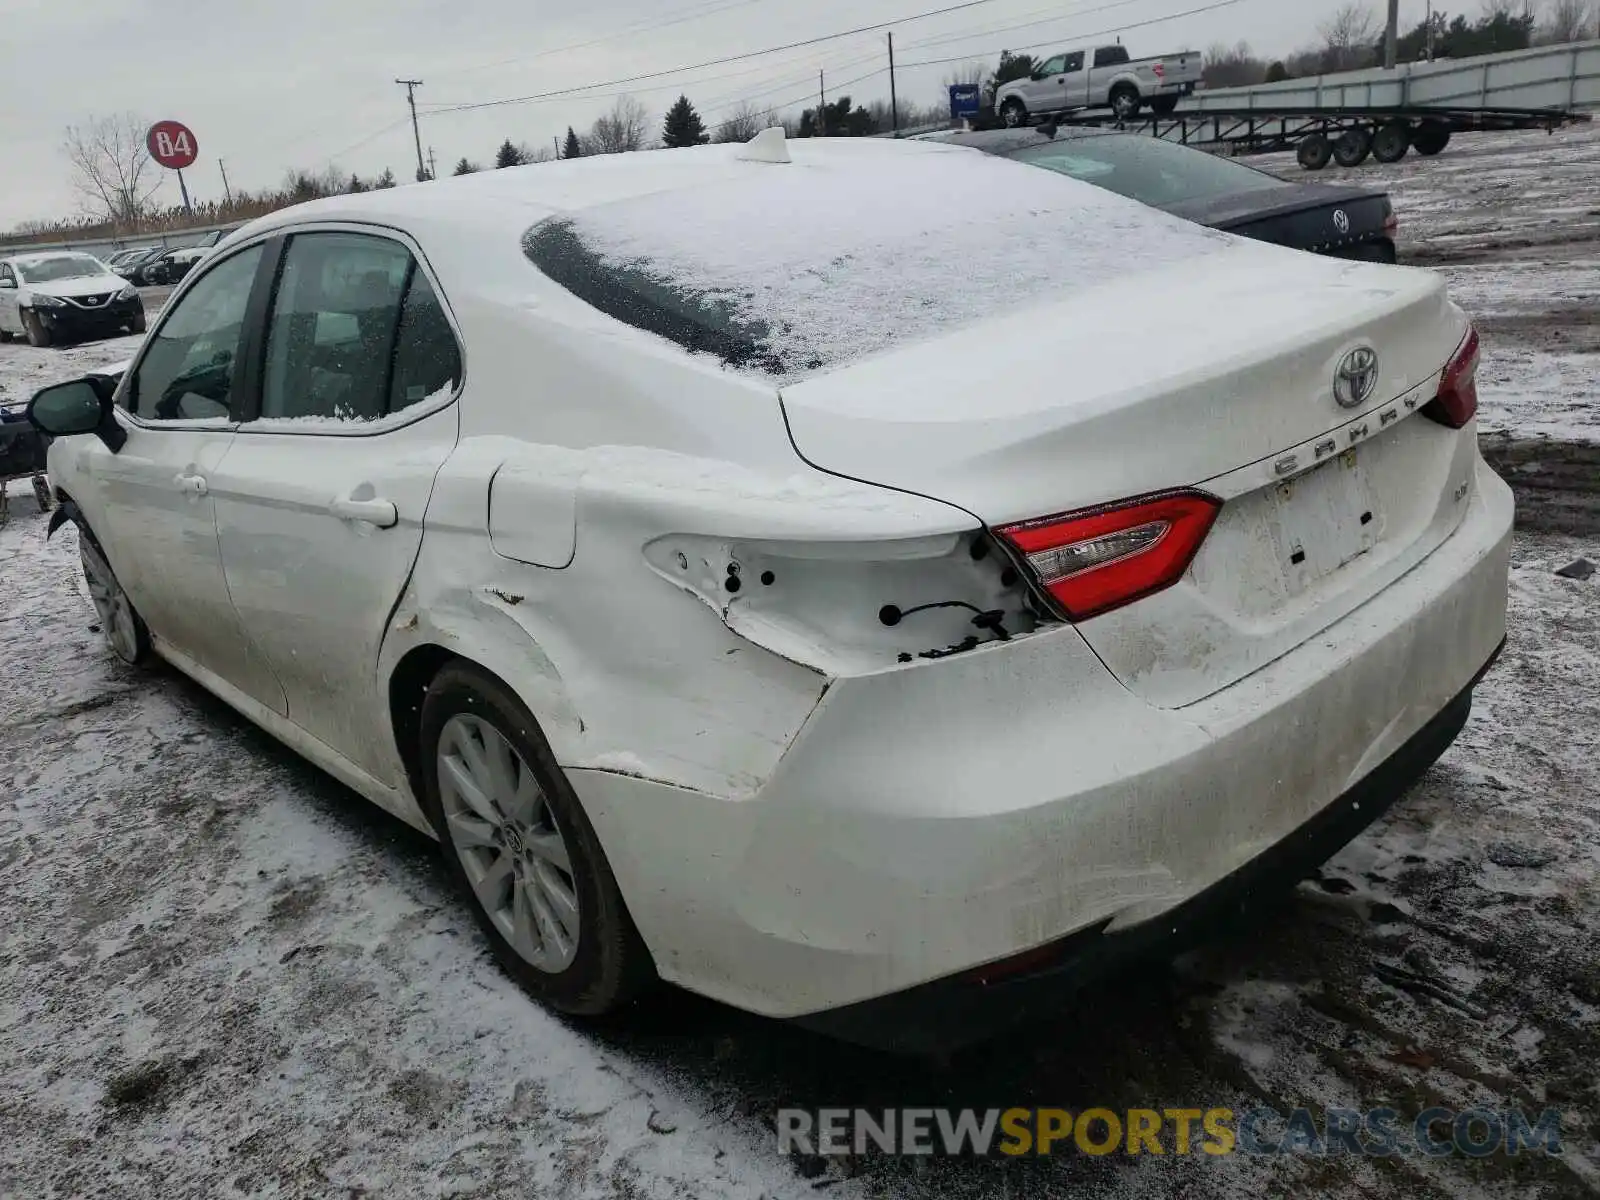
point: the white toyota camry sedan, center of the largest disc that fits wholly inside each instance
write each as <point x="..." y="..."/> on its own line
<point x="799" y="572"/>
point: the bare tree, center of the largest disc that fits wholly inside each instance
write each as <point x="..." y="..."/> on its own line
<point x="1348" y="38"/>
<point x="967" y="74"/>
<point x="742" y="124"/>
<point x="1504" y="9"/>
<point x="1233" y="66"/>
<point x="111" y="169"/>
<point x="1568" y="21"/>
<point x="624" y="128"/>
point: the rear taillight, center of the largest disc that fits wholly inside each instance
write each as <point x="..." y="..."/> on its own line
<point x="1159" y="70"/>
<point x="1457" y="401"/>
<point x="1103" y="558"/>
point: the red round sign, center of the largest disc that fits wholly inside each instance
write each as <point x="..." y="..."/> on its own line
<point x="171" y="144"/>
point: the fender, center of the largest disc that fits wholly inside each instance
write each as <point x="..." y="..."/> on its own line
<point x="65" y="511"/>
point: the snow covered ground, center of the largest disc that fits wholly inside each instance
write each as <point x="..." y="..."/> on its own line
<point x="222" y="974"/>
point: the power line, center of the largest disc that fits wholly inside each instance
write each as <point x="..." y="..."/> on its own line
<point x="699" y="12"/>
<point x="934" y="62"/>
<point x="969" y="34"/>
<point x="717" y="62"/>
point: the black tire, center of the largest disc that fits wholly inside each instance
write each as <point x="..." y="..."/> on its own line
<point x="1431" y="138"/>
<point x="41" y="493"/>
<point x="1392" y="141"/>
<point x="5" y="335"/>
<point x="1013" y="114"/>
<point x="1314" y="152"/>
<point x="1353" y="148"/>
<point x="1125" y="102"/>
<point x="129" y="642"/>
<point x="137" y="325"/>
<point x="38" y="335"/>
<point x="1164" y="106"/>
<point x="611" y="964"/>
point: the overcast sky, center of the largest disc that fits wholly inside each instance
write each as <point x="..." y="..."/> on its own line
<point x="272" y="84"/>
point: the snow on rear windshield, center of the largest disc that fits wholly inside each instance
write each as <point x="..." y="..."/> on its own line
<point x="807" y="266"/>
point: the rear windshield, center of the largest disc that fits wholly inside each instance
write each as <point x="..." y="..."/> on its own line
<point x="1147" y="169"/>
<point x="803" y="267"/>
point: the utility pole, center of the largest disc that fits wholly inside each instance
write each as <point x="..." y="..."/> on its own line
<point x="411" y="86"/>
<point x="822" y="106"/>
<point x="557" y="142"/>
<point x="226" y="190"/>
<point x="1391" y="40"/>
<point x="894" y="103"/>
<point x="433" y="167"/>
<point x="1430" y="30"/>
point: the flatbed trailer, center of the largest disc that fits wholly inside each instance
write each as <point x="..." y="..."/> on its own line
<point x="1346" y="136"/>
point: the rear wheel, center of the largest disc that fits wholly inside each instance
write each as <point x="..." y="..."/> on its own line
<point x="523" y="849"/>
<point x="1164" y="106"/>
<point x="1352" y="148"/>
<point x="38" y="335"/>
<point x="1125" y="102"/>
<point x="123" y="628"/>
<point x="1314" y="152"/>
<point x="1391" y="142"/>
<point x="1014" y="114"/>
<point x="1431" y="138"/>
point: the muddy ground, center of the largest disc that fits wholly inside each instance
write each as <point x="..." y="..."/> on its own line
<point x="222" y="974"/>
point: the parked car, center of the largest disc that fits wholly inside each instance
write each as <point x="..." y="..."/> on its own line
<point x="50" y="296"/>
<point x="852" y="613"/>
<point x="170" y="266"/>
<point x="128" y="263"/>
<point x="1101" y="77"/>
<point x="1342" y="221"/>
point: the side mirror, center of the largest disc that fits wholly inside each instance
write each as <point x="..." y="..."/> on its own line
<point x="8" y="283"/>
<point x="82" y="406"/>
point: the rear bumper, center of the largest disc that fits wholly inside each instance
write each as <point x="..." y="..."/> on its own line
<point x="951" y="1013"/>
<point x="931" y="820"/>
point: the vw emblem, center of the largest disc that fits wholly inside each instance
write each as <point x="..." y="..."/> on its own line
<point x="1341" y="221"/>
<point x="1357" y="378"/>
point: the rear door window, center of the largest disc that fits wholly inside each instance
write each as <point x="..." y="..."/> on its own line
<point x="356" y="334"/>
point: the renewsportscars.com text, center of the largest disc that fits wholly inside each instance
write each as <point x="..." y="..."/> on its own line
<point x="1018" y="1132"/>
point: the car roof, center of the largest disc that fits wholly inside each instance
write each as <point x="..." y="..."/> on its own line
<point x="22" y="260"/>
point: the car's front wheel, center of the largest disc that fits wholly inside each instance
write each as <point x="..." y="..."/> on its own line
<point x="121" y="624"/>
<point x="520" y="844"/>
<point x="38" y="335"/>
<point x="1125" y="102"/>
<point x="1014" y="114"/>
<point x="137" y="325"/>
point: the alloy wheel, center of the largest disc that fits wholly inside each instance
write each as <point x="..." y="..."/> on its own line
<point x="513" y="851"/>
<point x="111" y="603"/>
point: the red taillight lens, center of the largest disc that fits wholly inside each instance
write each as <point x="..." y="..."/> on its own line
<point x="1103" y="558"/>
<point x="1457" y="401"/>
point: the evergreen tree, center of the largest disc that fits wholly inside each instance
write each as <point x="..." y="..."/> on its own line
<point x="357" y="184"/>
<point x="508" y="155"/>
<point x="573" y="148"/>
<point x="683" y="126"/>
<point x="386" y="180"/>
<point x="464" y="167"/>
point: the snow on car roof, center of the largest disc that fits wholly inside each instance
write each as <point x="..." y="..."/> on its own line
<point x="856" y="245"/>
<point x="805" y="267"/>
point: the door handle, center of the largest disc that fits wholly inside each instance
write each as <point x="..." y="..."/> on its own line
<point x="381" y="513"/>
<point x="190" y="485"/>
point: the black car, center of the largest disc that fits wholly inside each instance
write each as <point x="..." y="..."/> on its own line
<point x="170" y="265"/>
<point x="129" y="262"/>
<point x="1344" y="222"/>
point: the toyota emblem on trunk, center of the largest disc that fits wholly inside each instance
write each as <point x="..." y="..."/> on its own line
<point x="1357" y="378"/>
<point x="1341" y="221"/>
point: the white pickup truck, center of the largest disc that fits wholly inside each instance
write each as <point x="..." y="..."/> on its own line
<point x="1104" y="77"/>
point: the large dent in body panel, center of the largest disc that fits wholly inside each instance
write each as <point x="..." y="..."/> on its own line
<point x="624" y="671"/>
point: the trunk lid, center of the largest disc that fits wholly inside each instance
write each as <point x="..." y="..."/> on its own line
<point x="1081" y="403"/>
